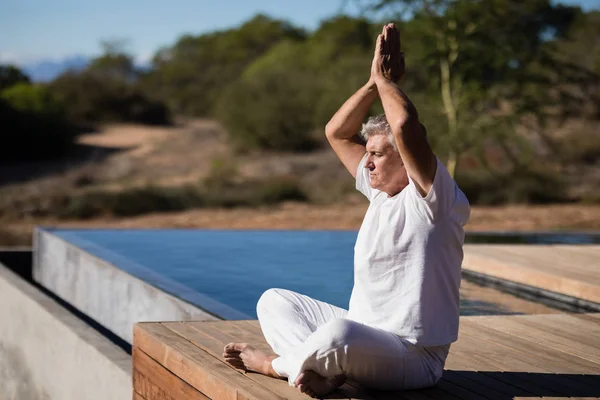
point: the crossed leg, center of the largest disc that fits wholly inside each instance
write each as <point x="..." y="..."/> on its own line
<point x="287" y="320"/>
<point x="317" y="347"/>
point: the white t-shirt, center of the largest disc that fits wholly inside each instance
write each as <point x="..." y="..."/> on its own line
<point x="407" y="260"/>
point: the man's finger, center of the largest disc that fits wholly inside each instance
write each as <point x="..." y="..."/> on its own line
<point x="394" y="40"/>
<point x="379" y="45"/>
<point x="386" y="43"/>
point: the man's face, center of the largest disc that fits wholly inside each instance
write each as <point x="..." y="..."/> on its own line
<point x="386" y="169"/>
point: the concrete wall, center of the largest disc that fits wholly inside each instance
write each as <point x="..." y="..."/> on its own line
<point x="47" y="353"/>
<point x="104" y="292"/>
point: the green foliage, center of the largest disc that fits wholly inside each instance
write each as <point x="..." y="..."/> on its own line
<point x="271" y="106"/>
<point x="33" y="123"/>
<point x="95" y="98"/>
<point x="191" y="75"/>
<point x="528" y="185"/>
<point x="292" y="91"/>
<point x="108" y="91"/>
<point x="11" y="75"/>
<point x="114" y="64"/>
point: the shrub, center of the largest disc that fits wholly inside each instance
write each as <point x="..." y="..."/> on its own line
<point x="95" y="98"/>
<point x="10" y="76"/>
<point x="143" y="200"/>
<point x="518" y="186"/>
<point x="130" y="202"/>
<point x="34" y="124"/>
<point x="271" y="106"/>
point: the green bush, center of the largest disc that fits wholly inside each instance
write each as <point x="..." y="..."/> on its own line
<point x="271" y="106"/>
<point x="10" y="76"/>
<point x="96" y="98"/>
<point x="34" y="124"/>
<point x="519" y="186"/>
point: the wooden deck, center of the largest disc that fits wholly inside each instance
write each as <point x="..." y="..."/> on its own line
<point x="498" y="357"/>
<point x="570" y="270"/>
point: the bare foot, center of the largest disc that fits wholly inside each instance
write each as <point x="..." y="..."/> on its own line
<point x="315" y="385"/>
<point x="246" y="357"/>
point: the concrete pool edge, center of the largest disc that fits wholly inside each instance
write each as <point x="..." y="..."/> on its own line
<point x="105" y="292"/>
<point x="91" y="366"/>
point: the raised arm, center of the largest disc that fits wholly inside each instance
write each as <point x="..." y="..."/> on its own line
<point x="342" y="130"/>
<point x="401" y="114"/>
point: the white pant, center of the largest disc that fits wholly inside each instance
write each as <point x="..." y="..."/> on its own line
<point x="308" y="334"/>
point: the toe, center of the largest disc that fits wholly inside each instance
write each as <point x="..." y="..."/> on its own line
<point x="228" y="347"/>
<point x="239" y="346"/>
<point x="300" y="379"/>
<point x="302" y="388"/>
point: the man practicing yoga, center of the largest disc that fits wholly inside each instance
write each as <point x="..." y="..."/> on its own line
<point x="404" y="307"/>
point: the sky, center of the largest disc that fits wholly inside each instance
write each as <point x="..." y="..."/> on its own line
<point x="33" y="30"/>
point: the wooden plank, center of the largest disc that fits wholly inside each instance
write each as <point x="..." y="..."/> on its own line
<point x="573" y="331"/>
<point x="195" y="333"/>
<point x="488" y="260"/>
<point x="550" y="258"/>
<point x="473" y="365"/>
<point x="539" y="332"/>
<point x="242" y="332"/>
<point x="494" y="384"/>
<point x="493" y="362"/>
<point x="545" y="366"/>
<point x="137" y="396"/>
<point x="533" y="350"/>
<point x="153" y="381"/>
<point x="486" y="362"/>
<point x="541" y="382"/>
<point x="192" y="364"/>
<point x="254" y="326"/>
<point x="474" y="386"/>
<point x="555" y="259"/>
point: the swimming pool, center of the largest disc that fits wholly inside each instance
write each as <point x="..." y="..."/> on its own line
<point x="225" y="271"/>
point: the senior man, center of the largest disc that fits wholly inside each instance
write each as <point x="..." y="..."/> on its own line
<point x="404" y="307"/>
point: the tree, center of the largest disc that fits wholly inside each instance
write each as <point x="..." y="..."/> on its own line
<point x="480" y="57"/>
<point x="191" y="75"/>
<point x="33" y="123"/>
<point x="108" y="90"/>
<point x="11" y="75"/>
<point x="115" y="62"/>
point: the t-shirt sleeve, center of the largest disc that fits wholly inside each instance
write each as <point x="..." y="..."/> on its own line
<point x="438" y="203"/>
<point x="363" y="183"/>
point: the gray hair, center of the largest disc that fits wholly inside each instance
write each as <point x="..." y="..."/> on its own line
<point x="377" y="125"/>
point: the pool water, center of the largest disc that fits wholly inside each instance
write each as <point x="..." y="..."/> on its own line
<point x="233" y="268"/>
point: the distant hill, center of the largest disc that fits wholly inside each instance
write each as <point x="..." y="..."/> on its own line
<point x="46" y="70"/>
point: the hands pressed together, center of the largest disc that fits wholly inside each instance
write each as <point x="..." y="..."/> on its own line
<point x="388" y="60"/>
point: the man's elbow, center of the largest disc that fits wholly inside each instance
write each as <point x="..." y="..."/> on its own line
<point x="329" y="129"/>
<point x="405" y="126"/>
<point x="332" y="130"/>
